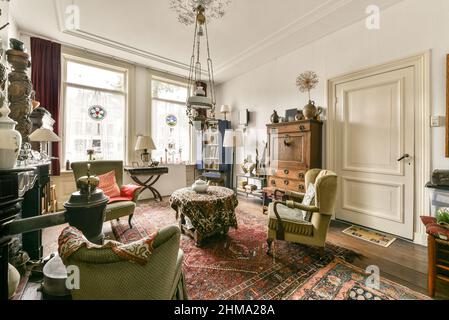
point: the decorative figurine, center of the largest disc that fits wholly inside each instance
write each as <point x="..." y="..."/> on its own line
<point x="275" y="117"/>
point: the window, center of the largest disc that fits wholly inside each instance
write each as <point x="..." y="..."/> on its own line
<point x="170" y="125"/>
<point x="94" y="111"/>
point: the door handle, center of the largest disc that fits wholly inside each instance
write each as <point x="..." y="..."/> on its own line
<point x="405" y="156"/>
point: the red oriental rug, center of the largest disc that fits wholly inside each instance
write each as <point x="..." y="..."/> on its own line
<point x="236" y="267"/>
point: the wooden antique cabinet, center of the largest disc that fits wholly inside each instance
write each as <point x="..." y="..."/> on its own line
<point x="294" y="148"/>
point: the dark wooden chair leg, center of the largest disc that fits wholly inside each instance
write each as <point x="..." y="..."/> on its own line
<point x="431" y="265"/>
<point x="130" y="221"/>
<point x="270" y="243"/>
<point x="322" y="252"/>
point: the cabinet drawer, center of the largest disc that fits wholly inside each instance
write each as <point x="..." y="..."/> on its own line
<point x="288" y="173"/>
<point x="286" y="184"/>
<point x="290" y="128"/>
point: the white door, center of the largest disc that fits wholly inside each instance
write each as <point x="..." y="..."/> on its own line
<point x="375" y="151"/>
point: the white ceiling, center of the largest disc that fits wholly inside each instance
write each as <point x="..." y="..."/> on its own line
<point x="147" y="32"/>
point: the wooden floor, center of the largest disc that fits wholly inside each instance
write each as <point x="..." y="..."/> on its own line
<point x="403" y="262"/>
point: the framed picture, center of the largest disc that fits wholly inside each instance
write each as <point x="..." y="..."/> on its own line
<point x="290" y="115"/>
<point x="135" y="165"/>
<point x="244" y="117"/>
<point x="447" y="106"/>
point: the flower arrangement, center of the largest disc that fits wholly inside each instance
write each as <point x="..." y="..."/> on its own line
<point x="307" y="81"/>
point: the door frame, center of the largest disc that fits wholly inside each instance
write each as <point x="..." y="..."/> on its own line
<point x="423" y="142"/>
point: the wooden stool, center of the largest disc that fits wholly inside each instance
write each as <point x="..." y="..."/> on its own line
<point x="53" y="199"/>
<point x="438" y="262"/>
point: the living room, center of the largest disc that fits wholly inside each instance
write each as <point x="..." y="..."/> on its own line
<point x="224" y="150"/>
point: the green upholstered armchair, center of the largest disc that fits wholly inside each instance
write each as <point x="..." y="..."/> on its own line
<point x="105" y="276"/>
<point x="285" y="217"/>
<point x="114" y="210"/>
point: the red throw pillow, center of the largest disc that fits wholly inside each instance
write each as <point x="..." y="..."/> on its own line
<point x="109" y="185"/>
<point x="129" y="190"/>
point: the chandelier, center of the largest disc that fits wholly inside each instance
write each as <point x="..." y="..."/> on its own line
<point x="201" y="94"/>
<point x="187" y="9"/>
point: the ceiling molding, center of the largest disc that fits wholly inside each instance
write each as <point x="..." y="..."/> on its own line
<point x="79" y="33"/>
<point x="300" y="23"/>
<point x="126" y="48"/>
<point x="262" y="51"/>
<point x="297" y="25"/>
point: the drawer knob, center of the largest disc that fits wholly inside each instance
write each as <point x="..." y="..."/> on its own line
<point x="286" y="171"/>
<point x="286" y="182"/>
<point x="301" y="176"/>
<point x="302" y="128"/>
<point x="287" y="140"/>
<point x="301" y="188"/>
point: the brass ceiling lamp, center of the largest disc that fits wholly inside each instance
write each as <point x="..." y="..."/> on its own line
<point x="201" y="99"/>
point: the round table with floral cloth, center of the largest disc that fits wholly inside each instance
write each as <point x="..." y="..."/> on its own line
<point x="205" y="214"/>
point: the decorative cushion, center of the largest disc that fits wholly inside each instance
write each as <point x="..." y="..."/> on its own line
<point x="128" y="191"/>
<point x="108" y="184"/>
<point x="434" y="229"/>
<point x="308" y="199"/>
<point x="71" y="240"/>
<point x="291" y="219"/>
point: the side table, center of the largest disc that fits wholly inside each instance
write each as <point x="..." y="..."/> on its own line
<point x="152" y="175"/>
<point x="208" y="213"/>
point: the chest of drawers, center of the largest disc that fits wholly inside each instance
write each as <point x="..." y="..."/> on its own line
<point x="294" y="148"/>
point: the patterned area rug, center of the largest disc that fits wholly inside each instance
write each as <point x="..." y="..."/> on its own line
<point x="236" y="267"/>
<point x="340" y="280"/>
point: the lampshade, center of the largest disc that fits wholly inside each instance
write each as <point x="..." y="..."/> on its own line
<point x="44" y="135"/>
<point x="225" y="109"/>
<point x="228" y="141"/>
<point x="145" y="143"/>
<point x="233" y="139"/>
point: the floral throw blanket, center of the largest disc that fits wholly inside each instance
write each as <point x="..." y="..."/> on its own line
<point x="71" y="240"/>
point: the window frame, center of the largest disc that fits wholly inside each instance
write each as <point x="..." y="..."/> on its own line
<point x="178" y="81"/>
<point x="96" y="62"/>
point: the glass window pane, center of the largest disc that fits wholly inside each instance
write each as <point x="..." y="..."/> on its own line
<point x="106" y="137"/>
<point x="82" y="74"/>
<point x="168" y="91"/>
<point x="171" y="131"/>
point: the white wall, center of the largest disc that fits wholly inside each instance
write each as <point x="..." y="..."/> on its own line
<point x="408" y="28"/>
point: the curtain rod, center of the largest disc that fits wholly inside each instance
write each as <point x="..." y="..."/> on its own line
<point x="30" y="34"/>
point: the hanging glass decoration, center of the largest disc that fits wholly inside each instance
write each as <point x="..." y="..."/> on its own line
<point x="171" y="120"/>
<point x="97" y="113"/>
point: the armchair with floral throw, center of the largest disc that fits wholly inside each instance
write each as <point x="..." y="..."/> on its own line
<point x="148" y="269"/>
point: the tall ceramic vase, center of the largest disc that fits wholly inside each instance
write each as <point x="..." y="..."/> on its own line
<point x="10" y="140"/>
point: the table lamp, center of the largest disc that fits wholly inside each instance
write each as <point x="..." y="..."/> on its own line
<point x="225" y="109"/>
<point x="146" y="144"/>
<point x="44" y="136"/>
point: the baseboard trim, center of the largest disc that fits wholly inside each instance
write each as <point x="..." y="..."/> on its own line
<point x="420" y="238"/>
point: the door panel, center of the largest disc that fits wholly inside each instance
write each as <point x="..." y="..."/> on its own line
<point x="373" y="114"/>
<point x="375" y="128"/>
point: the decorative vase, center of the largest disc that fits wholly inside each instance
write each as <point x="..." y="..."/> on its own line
<point x="310" y="110"/>
<point x="275" y="117"/>
<point x="11" y="140"/>
<point x="299" y="115"/>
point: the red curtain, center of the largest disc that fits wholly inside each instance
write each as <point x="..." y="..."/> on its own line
<point x="46" y="78"/>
